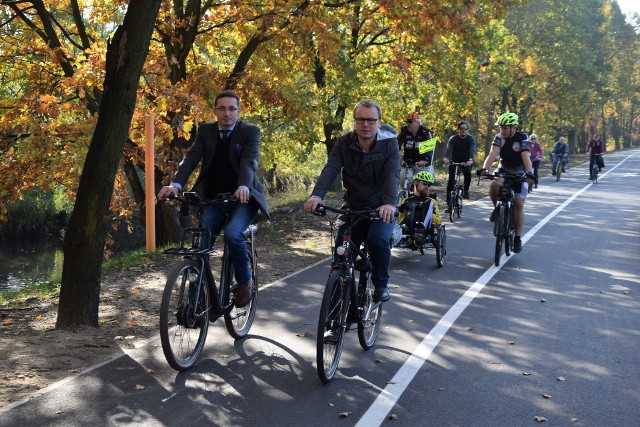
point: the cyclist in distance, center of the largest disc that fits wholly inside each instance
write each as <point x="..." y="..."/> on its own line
<point x="513" y="148"/>
<point x="536" y="156"/>
<point x="461" y="148"/>
<point x="369" y="160"/>
<point x="595" y="147"/>
<point x="228" y="150"/>
<point x="560" y="151"/>
<point x="410" y="136"/>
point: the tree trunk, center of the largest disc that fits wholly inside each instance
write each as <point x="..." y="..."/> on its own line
<point x="85" y="238"/>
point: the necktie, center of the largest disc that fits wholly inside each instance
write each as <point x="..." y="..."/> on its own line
<point x="224" y="135"/>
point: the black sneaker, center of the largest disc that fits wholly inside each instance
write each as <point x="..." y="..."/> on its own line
<point x="564" y="171"/>
<point x="331" y="337"/>
<point x="381" y="294"/>
<point x="492" y="217"/>
<point x="243" y="294"/>
<point x="517" y="245"/>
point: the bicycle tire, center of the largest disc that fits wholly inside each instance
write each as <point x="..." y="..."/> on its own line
<point x="508" y="241"/>
<point x="452" y="204"/>
<point x="441" y="245"/>
<point x="558" y="170"/>
<point x="183" y="333"/>
<point x="594" y="174"/>
<point x="333" y="310"/>
<point x="239" y="320"/>
<point x="369" y="328"/>
<point x="459" y="204"/>
<point x="499" y="234"/>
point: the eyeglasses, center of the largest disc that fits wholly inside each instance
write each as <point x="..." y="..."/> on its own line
<point x="463" y="129"/>
<point x="409" y="121"/>
<point x="360" y="120"/>
<point x="222" y="109"/>
<point x="533" y="138"/>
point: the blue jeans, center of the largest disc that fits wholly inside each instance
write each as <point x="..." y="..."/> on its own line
<point x="240" y="216"/>
<point x="555" y="162"/>
<point x="378" y="238"/>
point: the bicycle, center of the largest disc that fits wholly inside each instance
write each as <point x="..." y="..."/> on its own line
<point x="504" y="225"/>
<point x="595" y="168"/>
<point x="559" y="168"/>
<point x="344" y="303"/>
<point x="455" y="196"/>
<point x="191" y="299"/>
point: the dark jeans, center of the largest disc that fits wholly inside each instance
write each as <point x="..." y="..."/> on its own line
<point x="536" y="165"/>
<point x="240" y="216"/>
<point x="466" y="171"/>
<point x="378" y="238"/>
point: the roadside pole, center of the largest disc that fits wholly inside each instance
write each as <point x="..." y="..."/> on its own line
<point x="150" y="205"/>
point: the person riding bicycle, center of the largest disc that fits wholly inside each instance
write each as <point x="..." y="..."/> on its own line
<point x="228" y="150"/>
<point x="409" y="139"/>
<point x="369" y="160"/>
<point x="560" y="150"/>
<point x="513" y="147"/>
<point x="537" y="154"/>
<point x="461" y="148"/>
<point x="594" y="148"/>
<point x="428" y="213"/>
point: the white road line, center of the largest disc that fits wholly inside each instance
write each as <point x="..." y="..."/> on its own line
<point x="379" y="409"/>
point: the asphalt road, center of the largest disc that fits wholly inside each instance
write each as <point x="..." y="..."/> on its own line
<point x="552" y="333"/>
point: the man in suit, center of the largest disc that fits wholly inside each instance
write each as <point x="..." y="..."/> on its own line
<point x="229" y="150"/>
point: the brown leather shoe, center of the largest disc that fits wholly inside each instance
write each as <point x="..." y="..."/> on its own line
<point x="243" y="294"/>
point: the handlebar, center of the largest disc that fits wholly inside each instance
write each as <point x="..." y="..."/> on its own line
<point x="192" y="199"/>
<point x="507" y="176"/>
<point x="322" y="209"/>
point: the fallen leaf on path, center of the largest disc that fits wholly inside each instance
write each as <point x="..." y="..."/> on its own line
<point x="393" y="417"/>
<point x="539" y="419"/>
<point x="526" y="374"/>
<point x="7" y="322"/>
<point x="546" y="396"/>
<point x="543" y="300"/>
<point x="303" y="334"/>
<point x="560" y="379"/>
<point x="344" y="414"/>
<point x="139" y="387"/>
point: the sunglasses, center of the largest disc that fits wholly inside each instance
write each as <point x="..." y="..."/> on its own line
<point x="463" y="129"/>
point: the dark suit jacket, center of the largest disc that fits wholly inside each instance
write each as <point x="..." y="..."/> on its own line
<point x="244" y="153"/>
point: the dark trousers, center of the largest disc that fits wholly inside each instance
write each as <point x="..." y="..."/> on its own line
<point x="466" y="171"/>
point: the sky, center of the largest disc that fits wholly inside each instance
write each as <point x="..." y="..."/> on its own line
<point x="629" y="6"/>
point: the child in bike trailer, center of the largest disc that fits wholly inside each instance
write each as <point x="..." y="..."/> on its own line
<point x="427" y="213"/>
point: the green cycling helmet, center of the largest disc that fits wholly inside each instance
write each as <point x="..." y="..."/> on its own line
<point x="507" y="119"/>
<point x="425" y="177"/>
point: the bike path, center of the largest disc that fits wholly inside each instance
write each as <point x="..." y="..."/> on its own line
<point x="269" y="377"/>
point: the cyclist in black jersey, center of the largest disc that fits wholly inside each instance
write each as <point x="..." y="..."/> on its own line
<point x="513" y="147"/>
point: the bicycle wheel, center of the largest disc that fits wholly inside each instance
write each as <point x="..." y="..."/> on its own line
<point x="452" y="204"/>
<point x="459" y="203"/>
<point x="368" y="326"/>
<point x="184" y="324"/>
<point x="441" y="245"/>
<point x="499" y="224"/>
<point x="239" y="320"/>
<point x="508" y="237"/>
<point x="594" y="174"/>
<point x="558" y="170"/>
<point x="330" y="337"/>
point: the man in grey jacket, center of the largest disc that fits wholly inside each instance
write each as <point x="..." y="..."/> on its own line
<point x="369" y="159"/>
<point x="229" y="150"/>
